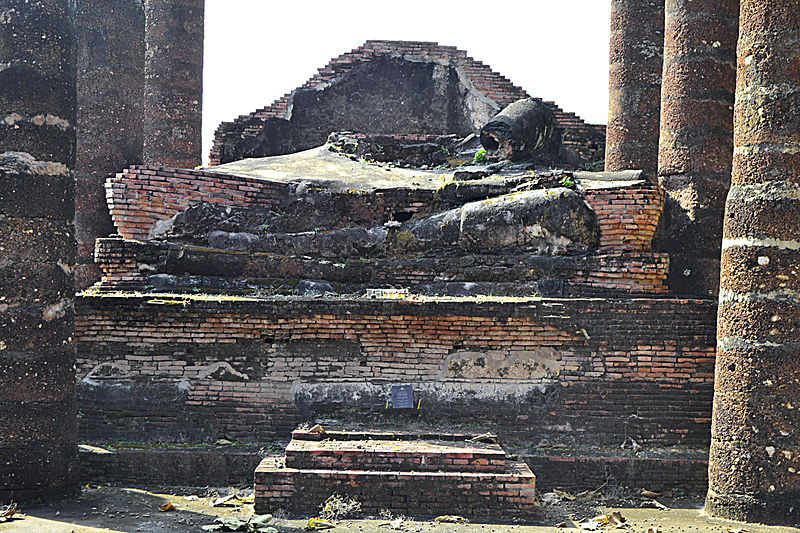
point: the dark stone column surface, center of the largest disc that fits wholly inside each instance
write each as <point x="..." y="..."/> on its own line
<point x="38" y="450"/>
<point x="754" y="465"/>
<point x="173" y="82"/>
<point x="110" y="84"/>
<point x="696" y="143"/>
<point x="634" y="93"/>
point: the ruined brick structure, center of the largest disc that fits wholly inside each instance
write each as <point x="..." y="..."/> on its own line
<point x="563" y="371"/>
<point x="110" y="107"/>
<point x="424" y="474"/>
<point x="617" y="354"/>
<point x="696" y="142"/>
<point x="459" y="96"/>
<point x="754" y="467"/>
<point x="38" y="427"/>
<point x="635" y="62"/>
<point x="173" y="82"/>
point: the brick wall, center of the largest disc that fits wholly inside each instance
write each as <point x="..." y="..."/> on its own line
<point x="682" y="473"/>
<point x="587" y="139"/>
<point x="139" y="196"/>
<point x="628" y="217"/>
<point x="587" y="371"/>
<point x="627" y="273"/>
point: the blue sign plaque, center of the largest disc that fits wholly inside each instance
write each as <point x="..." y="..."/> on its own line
<point x="402" y="397"/>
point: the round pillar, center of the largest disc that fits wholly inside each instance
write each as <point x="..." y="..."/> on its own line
<point x="38" y="442"/>
<point x="110" y="107"/>
<point x="173" y="86"/>
<point x="696" y="142"/>
<point x="754" y="465"/>
<point x="634" y="92"/>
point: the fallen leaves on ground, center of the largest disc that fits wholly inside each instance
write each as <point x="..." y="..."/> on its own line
<point x="315" y="524"/>
<point x="167" y="507"/>
<point x="397" y="523"/>
<point x="550" y="498"/>
<point x="612" y="519"/>
<point x="488" y="438"/>
<point x="450" y="519"/>
<point x="564" y="494"/>
<point x="256" y="524"/>
<point x="7" y="514"/>
<point x="232" y="500"/>
<point x="654" y="504"/>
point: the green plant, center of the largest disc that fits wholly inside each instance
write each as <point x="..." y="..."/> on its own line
<point x="567" y="182"/>
<point x="594" y="166"/>
<point x="480" y="156"/>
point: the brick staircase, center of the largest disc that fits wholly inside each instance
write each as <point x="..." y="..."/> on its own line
<point x="408" y="473"/>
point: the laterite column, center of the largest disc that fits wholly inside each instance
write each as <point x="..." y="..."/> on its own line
<point x="110" y="115"/>
<point x="634" y="93"/>
<point x="173" y="89"/>
<point x="38" y="442"/>
<point x="696" y="144"/>
<point x="754" y="466"/>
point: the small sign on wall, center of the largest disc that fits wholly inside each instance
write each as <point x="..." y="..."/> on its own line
<point x="402" y="398"/>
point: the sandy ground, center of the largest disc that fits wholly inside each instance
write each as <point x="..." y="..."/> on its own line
<point x="129" y="509"/>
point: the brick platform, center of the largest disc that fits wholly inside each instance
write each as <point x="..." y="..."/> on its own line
<point x="414" y="474"/>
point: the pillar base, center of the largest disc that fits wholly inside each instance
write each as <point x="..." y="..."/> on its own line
<point x="774" y="509"/>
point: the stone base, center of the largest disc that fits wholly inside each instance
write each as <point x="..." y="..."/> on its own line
<point x="777" y="509"/>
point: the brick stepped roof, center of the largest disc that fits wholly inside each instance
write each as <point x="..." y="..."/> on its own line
<point x="490" y="83"/>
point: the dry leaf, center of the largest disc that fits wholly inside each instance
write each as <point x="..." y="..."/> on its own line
<point x="167" y="507"/>
<point x="452" y="519"/>
<point x="318" y="523"/>
<point x="564" y="494"/>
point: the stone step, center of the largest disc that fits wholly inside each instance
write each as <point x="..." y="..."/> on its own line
<point x="469" y="494"/>
<point x="396" y="455"/>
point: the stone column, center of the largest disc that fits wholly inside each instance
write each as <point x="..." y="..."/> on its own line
<point x="173" y="87"/>
<point x="754" y="465"/>
<point x="110" y="115"/>
<point x="634" y="93"/>
<point x="38" y="451"/>
<point x="696" y="144"/>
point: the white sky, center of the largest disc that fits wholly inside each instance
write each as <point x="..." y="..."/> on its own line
<point x="257" y="50"/>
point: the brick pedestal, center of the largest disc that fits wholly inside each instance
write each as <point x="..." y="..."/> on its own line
<point x="441" y="474"/>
